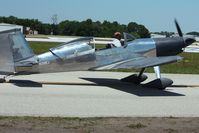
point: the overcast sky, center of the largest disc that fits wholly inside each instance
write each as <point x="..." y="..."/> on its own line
<point x="156" y="15"/>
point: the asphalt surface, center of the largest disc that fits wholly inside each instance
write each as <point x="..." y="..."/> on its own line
<point x="97" y="94"/>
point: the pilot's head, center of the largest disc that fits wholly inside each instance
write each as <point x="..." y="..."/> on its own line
<point x="118" y="35"/>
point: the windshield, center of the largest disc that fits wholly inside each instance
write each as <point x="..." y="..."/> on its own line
<point x="128" y="38"/>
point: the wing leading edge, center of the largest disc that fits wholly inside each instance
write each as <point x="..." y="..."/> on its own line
<point x="142" y="62"/>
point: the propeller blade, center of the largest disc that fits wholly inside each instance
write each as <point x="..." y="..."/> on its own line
<point x="178" y="28"/>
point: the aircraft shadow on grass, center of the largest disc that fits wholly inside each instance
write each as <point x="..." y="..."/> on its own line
<point x="111" y="83"/>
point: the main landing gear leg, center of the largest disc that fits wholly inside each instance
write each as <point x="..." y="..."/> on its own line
<point x="136" y="78"/>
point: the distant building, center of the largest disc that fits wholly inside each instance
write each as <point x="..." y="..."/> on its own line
<point x="5" y="26"/>
<point x="29" y="31"/>
<point x="157" y="36"/>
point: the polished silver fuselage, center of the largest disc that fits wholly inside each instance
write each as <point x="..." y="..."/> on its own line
<point x="82" y="56"/>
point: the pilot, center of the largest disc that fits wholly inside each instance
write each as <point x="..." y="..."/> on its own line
<point x="116" y="42"/>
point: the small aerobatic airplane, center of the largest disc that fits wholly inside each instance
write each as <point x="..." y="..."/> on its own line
<point x="16" y="57"/>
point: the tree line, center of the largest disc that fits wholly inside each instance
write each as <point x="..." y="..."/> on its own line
<point x="77" y="28"/>
<point x="169" y="34"/>
<point x="193" y="33"/>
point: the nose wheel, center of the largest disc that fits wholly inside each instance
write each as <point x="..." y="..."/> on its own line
<point x="159" y="83"/>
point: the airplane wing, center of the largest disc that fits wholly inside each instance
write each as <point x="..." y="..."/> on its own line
<point x="141" y="62"/>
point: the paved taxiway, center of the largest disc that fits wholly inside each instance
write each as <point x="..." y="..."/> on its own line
<point x="96" y="94"/>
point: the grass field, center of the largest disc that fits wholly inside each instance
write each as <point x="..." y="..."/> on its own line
<point x="190" y="64"/>
<point x="41" y="47"/>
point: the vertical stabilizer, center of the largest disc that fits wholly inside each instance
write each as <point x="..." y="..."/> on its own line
<point x="6" y="56"/>
<point x="14" y="50"/>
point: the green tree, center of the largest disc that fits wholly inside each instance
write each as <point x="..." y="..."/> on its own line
<point x="76" y="28"/>
<point x="138" y="30"/>
<point x="193" y="33"/>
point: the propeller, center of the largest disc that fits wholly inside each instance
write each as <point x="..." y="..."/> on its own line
<point x="178" y="28"/>
<point x="178" y="47"/>
<point x="187" y="40"/>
